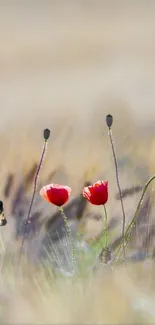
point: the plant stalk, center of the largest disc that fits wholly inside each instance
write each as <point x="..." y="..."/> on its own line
<point x="129" y="229"/>
<point x="69" y="234"/>
<point x="119" y="187"/>
<point x="32" y="200"/>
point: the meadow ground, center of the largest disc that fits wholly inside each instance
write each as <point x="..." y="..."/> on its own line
<point x="65" y="65"/>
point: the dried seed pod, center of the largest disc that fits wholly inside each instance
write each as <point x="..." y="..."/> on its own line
<point x="3" y="220"/>
<point x="46" y="134"/>
<point x="1" y="207"/>
<point x="105" y="255"/>
<point x="109" y="120"/>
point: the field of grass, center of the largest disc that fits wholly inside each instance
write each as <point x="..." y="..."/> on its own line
<point x="65" y="65"/>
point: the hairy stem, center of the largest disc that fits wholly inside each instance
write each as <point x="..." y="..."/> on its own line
<point x="70" y="235"/>
<point x="32" y="200"/>
<point x="118" y="185"/>
<point x="106" y="227"/>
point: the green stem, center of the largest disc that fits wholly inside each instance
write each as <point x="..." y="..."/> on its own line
<point x="69" y="234"/>
<point x="106" y="227"/>
<point x="129" y="229"/>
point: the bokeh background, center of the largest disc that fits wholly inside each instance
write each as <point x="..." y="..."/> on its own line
<point x="68" y="58"/>
<point x="65" y="65"/>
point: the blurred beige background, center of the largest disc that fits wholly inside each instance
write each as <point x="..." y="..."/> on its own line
<point x="65" y="65"/>
<point x="61" y="58"/>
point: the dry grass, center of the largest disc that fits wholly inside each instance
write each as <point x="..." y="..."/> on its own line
<point x="124" y="295"/>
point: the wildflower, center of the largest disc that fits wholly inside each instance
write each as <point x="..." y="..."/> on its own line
<point x="56" y="194"/>
<point x="97" y="193"/>
<point x="59" y="195"/>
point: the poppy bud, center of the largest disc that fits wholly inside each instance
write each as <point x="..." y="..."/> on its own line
<point x="46" y="134"/>
<point x="3" y="220"/>
<point x="105" y="255"/>
<point x="109" y="120"/>
<point x="1" y="206"/>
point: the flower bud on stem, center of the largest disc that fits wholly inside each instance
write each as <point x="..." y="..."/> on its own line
<point x="109" y="121"/>
<point x="46" y="135"/>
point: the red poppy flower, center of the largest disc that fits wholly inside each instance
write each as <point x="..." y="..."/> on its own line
<point x="56" y="194"/>
<point x="97" y="193"/>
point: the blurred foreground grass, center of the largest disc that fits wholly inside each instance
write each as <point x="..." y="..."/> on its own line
<point x="122" y="295"/>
